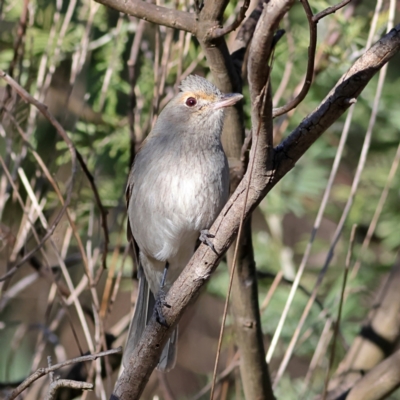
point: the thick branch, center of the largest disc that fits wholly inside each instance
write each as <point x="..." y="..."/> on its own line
<point x="261" y="46"/>
<point x="213" y="10"/>
<point x="204" y="261"/>
<point x="182" y="20"/>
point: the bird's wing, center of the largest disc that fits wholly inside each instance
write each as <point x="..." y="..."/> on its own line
<point x="129" y="234"/>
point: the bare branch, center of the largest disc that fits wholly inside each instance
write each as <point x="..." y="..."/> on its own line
<point x="310" y="65"/>
<point x="330" y="10"/>
<point x="59" y="383"/>
<point x="156" y="14"/>
<point x="44" y="371"/>
<point x="219" y="32"/>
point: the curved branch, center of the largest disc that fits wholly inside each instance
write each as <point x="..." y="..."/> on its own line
<point x="310" y="65"/>
<point x="156" y="14"/>
<point x="219" y="32"/>
<point x="330" y="10"/>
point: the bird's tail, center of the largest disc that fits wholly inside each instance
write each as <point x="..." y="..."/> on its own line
<point x="143" y="311"/>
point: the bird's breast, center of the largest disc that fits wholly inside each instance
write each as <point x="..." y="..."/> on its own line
<point x="179" y="195"/>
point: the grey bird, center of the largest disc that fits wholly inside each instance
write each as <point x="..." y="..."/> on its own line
<point x="177" y="186"/>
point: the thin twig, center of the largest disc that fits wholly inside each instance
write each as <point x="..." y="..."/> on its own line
<point x="219" y="32"/>
<point x="44" y="371"/>
<point x="330" y="10"/>
<point x="66" y="383"/>
<point x="19" y="40"/>
<point x="310" y="65"/>
<point x="235" y="362"/>
<point x="337" y="323"/>
<point x="377" y="213"/>
<point x="319" y="352"/>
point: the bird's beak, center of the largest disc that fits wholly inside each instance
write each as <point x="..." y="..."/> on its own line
<point x="227" y="100"/>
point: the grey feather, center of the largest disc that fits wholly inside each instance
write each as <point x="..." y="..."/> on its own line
<point x="177" y="186"/>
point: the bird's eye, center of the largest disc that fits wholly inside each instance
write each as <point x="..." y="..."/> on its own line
<point x="191" y="101"/>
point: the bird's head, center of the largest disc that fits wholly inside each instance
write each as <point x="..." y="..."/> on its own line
<point x="199" y="105"/>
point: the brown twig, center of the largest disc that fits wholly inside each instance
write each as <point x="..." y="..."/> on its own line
<point x="330" y="10"/>
<point x="18" y="47"/>
<point x="219" y="32"/>
<point x="103" y="213"/>
<point x="44" y="371"/>
<point x="337" y="322"/>
<point x="226" y="372"/>
<point x="310" y="65"/>
<point x="377" y="213"/>
<point x="67" y="383"/>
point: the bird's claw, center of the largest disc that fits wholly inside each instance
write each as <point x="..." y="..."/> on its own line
<point x="205" y="237"/>
<point x="158" y="308"/>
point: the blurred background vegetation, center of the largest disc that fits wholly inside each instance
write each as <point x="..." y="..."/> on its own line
<point x="75" y="57"/>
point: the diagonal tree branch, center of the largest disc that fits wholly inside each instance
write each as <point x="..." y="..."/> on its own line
<point x="337" y="102"/>
<point x="188" y="286"/>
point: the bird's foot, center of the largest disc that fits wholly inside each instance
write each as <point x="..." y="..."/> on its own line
<point x="205" y="237"/>
<point x="158" y="308"/>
